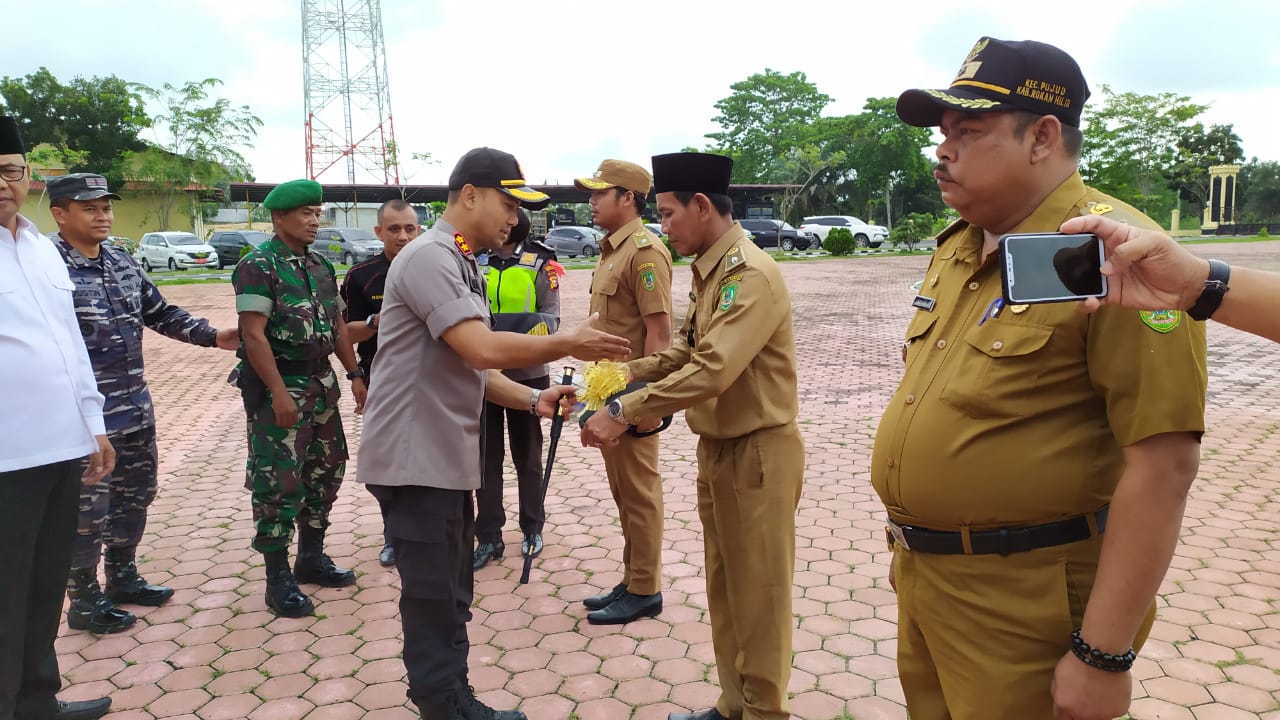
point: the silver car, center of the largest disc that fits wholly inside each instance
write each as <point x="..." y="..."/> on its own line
<point x="348" y="246"/>
<point x="574" y="240"/>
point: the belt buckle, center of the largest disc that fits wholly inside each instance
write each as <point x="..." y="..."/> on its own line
<point x="899" y="537"/>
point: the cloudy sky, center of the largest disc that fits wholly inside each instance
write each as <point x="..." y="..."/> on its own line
<point x="562" y="84"/>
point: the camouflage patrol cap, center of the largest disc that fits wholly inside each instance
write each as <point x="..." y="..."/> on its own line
<point x="617" y="173"/>
<point x="294" y="194"/>
<point x="1002" y="75"/>
<point x="80" y="187"/>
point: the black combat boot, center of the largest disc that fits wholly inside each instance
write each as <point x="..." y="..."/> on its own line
<point x="125" y="585"/>
<point x="283" y="596"/>
<point x="473" y="709"/>
<point x="440" y="706"/>
<point x="90" y="609"/>
<point x="313" y="566"/>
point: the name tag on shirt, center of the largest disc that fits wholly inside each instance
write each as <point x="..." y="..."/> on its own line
<point x="924" y="303"/>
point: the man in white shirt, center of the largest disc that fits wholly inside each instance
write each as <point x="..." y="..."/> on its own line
<point x="54" y="422"/>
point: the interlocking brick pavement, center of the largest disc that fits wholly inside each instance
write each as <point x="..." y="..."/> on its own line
<point x="215" y="652"/>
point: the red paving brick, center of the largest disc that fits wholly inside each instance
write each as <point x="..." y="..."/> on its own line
<point x="215" y="652"/>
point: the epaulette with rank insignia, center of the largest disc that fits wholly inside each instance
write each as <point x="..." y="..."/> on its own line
<point x="950" y="230"/>
<point x="1118" y="211"/>
<point x="734" y="258"/>
<point x="541" y="247"/>
<point x="641" y="239"/>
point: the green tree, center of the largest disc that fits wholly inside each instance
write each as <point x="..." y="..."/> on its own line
<point x="1259" y="192"/>
<point x="92" y="120"/>
<point x="1197" y="149"/>
<point x="48" y="156"/>
<point x="202" y="140"/>
<point x="766" y="116"/>
<point x="801" y="167"/>
<point x="1131" y="141"/>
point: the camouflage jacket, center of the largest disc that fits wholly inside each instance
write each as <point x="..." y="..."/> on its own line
<point x="299" y="296"/>
<point x="114" y="299"/>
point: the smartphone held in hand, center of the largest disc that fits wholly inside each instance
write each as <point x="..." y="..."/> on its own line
<point x="1051" y="267"/>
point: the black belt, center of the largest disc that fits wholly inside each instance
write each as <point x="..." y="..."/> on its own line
<point x="1001" y="541"/>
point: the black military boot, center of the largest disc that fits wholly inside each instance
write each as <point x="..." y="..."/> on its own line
<point x="473" y="709"/>
<point x="440" y="706"/>
<point x="90" y="609"/>
<point x="485" y="552"/>
<point x="125" y="585"/>
<point x="283" y="596"/>
<point x="313" y="566"/>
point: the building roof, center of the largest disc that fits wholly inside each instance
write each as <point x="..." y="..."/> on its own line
<point x="350" y="194"/>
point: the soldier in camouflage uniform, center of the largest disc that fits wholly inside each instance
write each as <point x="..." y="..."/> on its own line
<point x="114" y="300"/>
<point x="290" y="322"/>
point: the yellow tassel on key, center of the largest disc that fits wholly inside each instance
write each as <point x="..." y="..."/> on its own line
<point x="600" y="380"/>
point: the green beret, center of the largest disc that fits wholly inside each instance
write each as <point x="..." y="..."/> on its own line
<point x="294" y="194"/>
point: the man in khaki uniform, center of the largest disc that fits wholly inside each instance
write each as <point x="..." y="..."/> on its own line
<point x="1020" y="434"/>
<point x="733" y="368"/>
<point x="631" y="290"/>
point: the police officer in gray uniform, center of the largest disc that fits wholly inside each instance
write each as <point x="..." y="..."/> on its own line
<point x="420" y="453"/>
<point x="114" y="300"/>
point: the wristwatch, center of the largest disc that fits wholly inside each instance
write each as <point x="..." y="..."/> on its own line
<point x="1215" y="288"/>
<point x="615" y="412"/>
<point x="357" y="373"/>
<point x="371" y="321"/>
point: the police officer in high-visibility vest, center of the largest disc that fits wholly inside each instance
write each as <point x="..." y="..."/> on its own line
<point x="524" y="295"/>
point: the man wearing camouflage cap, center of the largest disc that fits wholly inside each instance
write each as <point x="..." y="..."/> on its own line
<point x="114" y="301"/>
<point x="631" y="290"/>
<point x="290" y="322"/>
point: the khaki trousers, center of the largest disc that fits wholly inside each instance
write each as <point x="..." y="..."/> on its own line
<point x="632" y="467"/>
<point x="979" y="636"/>
<point x="748" y="490"/>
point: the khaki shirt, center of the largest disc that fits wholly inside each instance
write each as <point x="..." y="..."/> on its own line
<point x="1022" y="419"/>
<point x="422" y="417"/>
<point x="733" y="363"/>
<point x="632" y="279"/>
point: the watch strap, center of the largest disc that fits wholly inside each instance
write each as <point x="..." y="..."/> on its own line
<point x="1215" y="288"/>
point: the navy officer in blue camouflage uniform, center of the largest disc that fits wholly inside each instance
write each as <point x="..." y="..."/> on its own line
<point x="114" y="300"/>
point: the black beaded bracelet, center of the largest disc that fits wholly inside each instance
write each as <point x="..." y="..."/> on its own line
<point x="1095" y="658"/>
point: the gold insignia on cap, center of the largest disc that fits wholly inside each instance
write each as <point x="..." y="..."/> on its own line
<point x="966" y="103"/>
<point x="977" y="48"/>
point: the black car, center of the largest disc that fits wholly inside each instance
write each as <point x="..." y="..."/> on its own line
<point x="230" y="244"/>
<point x="765" y="233"/>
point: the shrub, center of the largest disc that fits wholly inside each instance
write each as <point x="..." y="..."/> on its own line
<point x="667" y="241"/>
<point x="911" y="230"/>
<point x="1262" y="232"/>
<point x="839" y="241"/>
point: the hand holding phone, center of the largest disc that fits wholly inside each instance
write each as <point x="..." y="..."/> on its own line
<point x="1051" y="267"/>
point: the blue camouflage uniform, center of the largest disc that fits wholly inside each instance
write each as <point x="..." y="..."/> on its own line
<point x="114" y="299"/>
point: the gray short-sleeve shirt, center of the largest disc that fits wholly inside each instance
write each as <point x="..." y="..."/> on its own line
<point x="422" y="417"/>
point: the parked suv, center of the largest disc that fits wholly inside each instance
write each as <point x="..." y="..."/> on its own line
<point x="175" y="250"/>
<point x="864" y="235"/>
<point x="574" y="240"/>
<point x="765" y="233"/>
<point x="230" y="244"/>
<point x="347" y="245"/>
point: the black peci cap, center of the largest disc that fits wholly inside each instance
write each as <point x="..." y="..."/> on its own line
<point x="1002" y="75"/>
<point x="486" y="167"/>
<point x="704" y="173"/>
<point x="11" y="136"/>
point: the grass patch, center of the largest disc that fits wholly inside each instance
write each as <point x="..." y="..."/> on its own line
<point x="1222" y="240"/>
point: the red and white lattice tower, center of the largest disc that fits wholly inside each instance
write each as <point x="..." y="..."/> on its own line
<point x="349" y="132"/>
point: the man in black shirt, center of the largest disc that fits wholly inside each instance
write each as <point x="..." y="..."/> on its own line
<point x="362" y="292"/>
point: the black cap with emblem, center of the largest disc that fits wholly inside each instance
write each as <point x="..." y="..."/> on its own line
<point x="10" y="136"/>
<point x="704" y="173"/>
<point x="80" y="187"/>
<point x="486" y="167"/>
<point x="1003" y="75"/>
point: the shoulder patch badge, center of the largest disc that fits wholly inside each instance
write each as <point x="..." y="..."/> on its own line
<point x="728" y="294"/>
<point x="528" y="259"/>
<point x="641" y="240"/>
<point x="733" y="258"/>
<point x="1162" y="321"/>
<point x="647" y="277"/>
<point x="553" y="278"/>
<point x="462" y="245"/>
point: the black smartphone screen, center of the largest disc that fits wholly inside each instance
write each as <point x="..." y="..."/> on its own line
<point x="1051" y="267"/>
